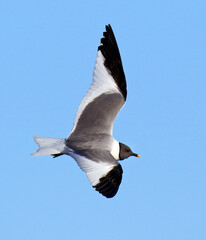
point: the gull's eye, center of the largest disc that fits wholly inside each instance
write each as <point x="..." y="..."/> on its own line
<point x="126" y="150"/>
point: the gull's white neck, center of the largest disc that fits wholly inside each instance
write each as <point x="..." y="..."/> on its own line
<point x="115" y="149"/>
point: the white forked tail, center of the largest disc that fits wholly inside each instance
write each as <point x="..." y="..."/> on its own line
<point x="49" y="146"/>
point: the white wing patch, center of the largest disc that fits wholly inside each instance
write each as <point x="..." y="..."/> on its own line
<point x="94" y="170"/>
<point x="102" y="82"/>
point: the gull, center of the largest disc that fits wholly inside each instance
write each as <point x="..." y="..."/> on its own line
<point x="91" y="141"/>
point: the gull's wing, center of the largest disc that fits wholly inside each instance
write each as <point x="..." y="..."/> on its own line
<point x="107" y="93"/>
<point x="103" y="171"/>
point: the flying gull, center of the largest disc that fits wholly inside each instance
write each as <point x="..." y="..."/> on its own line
<point x="91" y="142"/>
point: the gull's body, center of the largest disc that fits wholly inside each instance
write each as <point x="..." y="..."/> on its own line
<point x="91" y="142"/>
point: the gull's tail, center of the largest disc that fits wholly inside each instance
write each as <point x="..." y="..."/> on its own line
<point x="49" y="146"/>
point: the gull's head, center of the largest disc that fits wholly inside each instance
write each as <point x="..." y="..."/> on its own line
<point x="126" y="152"/>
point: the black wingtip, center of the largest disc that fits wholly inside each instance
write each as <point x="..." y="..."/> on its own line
<point x="56" y="155"/>
<point x="108" y="27"/>
<point x="113" y="62"/>
<point x="109" y="184"/>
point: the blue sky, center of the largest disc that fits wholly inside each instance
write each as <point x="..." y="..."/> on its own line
<point x="48" y="50"/>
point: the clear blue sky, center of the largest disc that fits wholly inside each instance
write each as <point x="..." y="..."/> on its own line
<point x="47" y="55"/>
